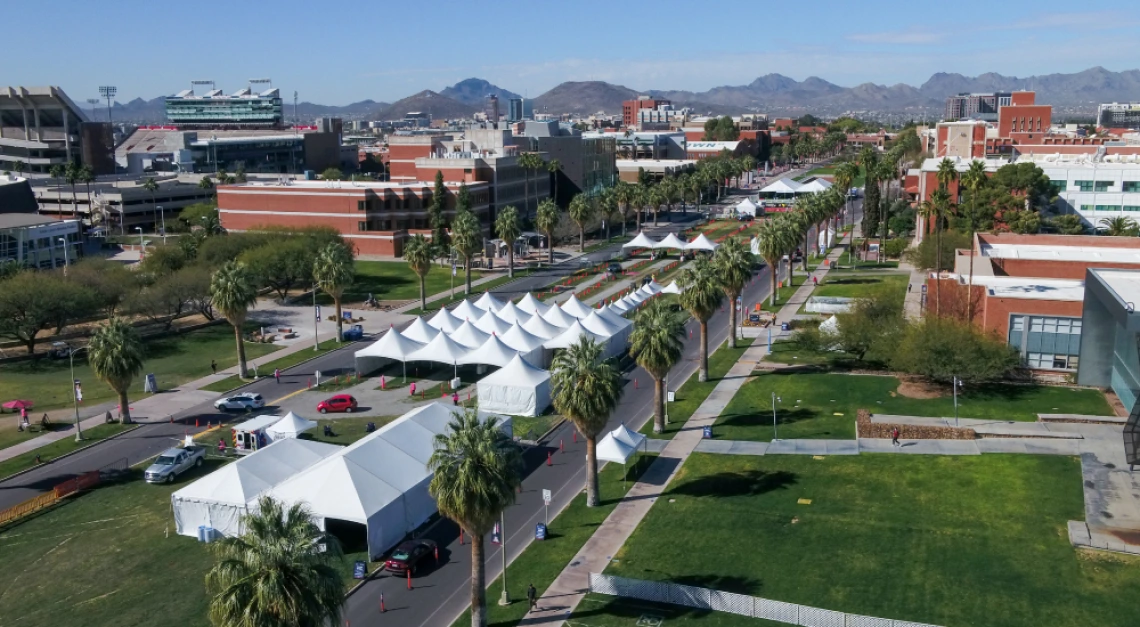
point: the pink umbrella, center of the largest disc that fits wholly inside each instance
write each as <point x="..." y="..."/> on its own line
<point x="17" y="404"/>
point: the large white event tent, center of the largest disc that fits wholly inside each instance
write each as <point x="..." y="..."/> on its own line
<point x="420" y="331"/>
<point x="493" y="352"/>
<point x="615" y="334"/>
<point x="469" y="336"/>
<point x="487" y="302"/>
<point x="380" y="481"/>
<point x="575" y="308"/>
<point x="620" y="306"/>
<point x="573" y="334"/>
<point x="814" y="185"/>
<point x="671" y="241"/>
<point x="466" y="311"/>
<point x="672" y="288"/>
<point x="511" y="314"/>
<point x="746" y="208"/>
<point x="490" y="322"/>
<point x="442" y="350"/>
<point x="700" y="242"/>
<point x="525" y="343"/>
<point x="641" y="241"/>
<point x="445" y="321"/>
<point x="518" y="389"/>
<point x="290" y="426"/>
<point x="541" y="327"/>
<point x="532" y="305"/>
<point x="392" y="345"/>
<point x="558" y="317"/>
<point x="221" y="498"/>
<point x="608" y="313"/>
<point x="782" y="188"/>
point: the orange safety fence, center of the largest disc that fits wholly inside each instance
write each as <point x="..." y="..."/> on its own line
<point x="85" y="481"/>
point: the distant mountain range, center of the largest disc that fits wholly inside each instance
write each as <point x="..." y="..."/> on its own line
<point x="1079" y="92"/>
<point x="153" y="112"/>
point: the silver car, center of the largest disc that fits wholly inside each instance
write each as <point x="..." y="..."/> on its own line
<point x="248" y="400"/>
<point x="173" y="462"/>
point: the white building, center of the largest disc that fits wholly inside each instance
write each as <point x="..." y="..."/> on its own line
<point x="1095" y="190"/>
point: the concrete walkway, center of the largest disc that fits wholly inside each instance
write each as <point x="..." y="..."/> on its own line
<point x="912" y="305"/>
<point x="571" y="585"/>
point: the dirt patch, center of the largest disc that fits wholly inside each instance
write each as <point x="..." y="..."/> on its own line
<point x="916" y="388"/>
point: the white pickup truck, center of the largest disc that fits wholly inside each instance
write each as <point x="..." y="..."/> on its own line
<point x="173" y="462"/>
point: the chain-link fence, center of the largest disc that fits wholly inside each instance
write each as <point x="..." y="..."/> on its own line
<point x="743" y="605"/>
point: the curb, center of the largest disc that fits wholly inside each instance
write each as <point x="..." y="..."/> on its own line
<point x="66" y="455"/>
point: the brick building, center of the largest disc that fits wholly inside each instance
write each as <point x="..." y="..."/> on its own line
<point x="630" y="109"/>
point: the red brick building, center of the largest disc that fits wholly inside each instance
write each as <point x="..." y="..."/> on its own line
<point x="629" y="109"/>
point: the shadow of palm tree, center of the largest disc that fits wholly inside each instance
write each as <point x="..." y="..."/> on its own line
<point x="725" y="484"/>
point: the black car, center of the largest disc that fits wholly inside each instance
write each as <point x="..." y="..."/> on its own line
<point x="408" y="555"/>
<point x="614" y="268"/>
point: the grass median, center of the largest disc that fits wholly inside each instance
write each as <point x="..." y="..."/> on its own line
<point x="693" y="392"/>
<point x="476" y="292"/>
<point x="394" y="280"/>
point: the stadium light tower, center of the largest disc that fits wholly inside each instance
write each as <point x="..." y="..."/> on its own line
<point x="108" y="92"/>
<point x="94" y="102"/>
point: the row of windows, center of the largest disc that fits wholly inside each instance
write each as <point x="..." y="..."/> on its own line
<point x="1046" y="343"/>
<point x="1095" y="186"/>
<point x="1110" y="207"/>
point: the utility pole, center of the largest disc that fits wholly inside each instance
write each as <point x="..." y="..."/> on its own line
<point x="316" y="342"/>
<point x="505" y="599"/>
<point x="75" y="393"/>
<point x="775" y="434"/>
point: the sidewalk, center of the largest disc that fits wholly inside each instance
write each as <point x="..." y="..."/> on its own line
<point x="562" y="597"/>
<point x="912" y="305"/>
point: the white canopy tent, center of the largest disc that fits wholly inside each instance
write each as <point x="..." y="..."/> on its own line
<point x="532" y="305"/>
<point x="525" y="343"/>
<point x="575" y="308"/>
<point x="815" y="185"/>
<point x="442" y="350"/>
<point x="380" y="481"/>
<point x="490" y="322"/>
<point x="670" y="241"/>
<point x="488" y="302"/>
<point x="420" y="331"/>
<point x="632" y="438"/>
<point x="445" y="321"/>
<point x="541" y="327"/>
<point x="653" y="286"/>
<point x="493" y="352"/>
<point x="510" y="313"/>
<point x="571" y="335"/>
<point x="620" y="306"/>
<point x="290" y="426"/>
<point x="558" y="317"/>
<point x="518" y="389"/>
<point x="221" y="498"/>
<point x="619" y="445"/>
<point x="783" y="186"/>
<point x="700" y="242"/>
<point x="469" y="336"/>
<point x="392" y="345"/>
<point x="641" y="241"/>
<point x="745" y="208"/>
<point x="466" y="311"/>
<point x="672" y="288"/>
<point x="617" y="335"/>
<point x="610" y="315"/>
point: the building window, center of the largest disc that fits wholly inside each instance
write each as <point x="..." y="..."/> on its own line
<point x="1101" y="186"/>
<point x="1131" y="186"/>
<point x="1131" y="207"/>
<point x="1046" y="343"/>
<point x="1088" y="208"/>
<point x="1059" y="186"/>
<point x="1107" y="208"/>
<point x="1084" y="186"/>
<point x="361" y="205"/>
<point x="361" y="226"/>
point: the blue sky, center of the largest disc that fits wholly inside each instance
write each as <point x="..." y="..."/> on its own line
<point x="341" y="52"/>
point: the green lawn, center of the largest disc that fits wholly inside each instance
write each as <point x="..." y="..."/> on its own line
<point x="542" y="561"/>
<point x="288" y="361"/>
<point x="531" y="427"/>
<point x="393" y="280"/>
<point x="810" y="403"/>
<point x="860" y="179"/>
<point x="859" y="285"/>
<point x="786" y="352"/>
<point x="346" y="430"/>
<point x="954" y="541"/>
<point x="61" y="447"/>
<point x="693" y="392"/>
<point x="599" y="610"/>
<point x="174" y="358"/>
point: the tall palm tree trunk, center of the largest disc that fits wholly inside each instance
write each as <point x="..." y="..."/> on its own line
<point x="467" y="276"/>
<point x="550" y="246"/>
<point x="658" y="405"/>
<point x="478" y="582"/>
<point x="240" y="350"/>
<point x="703" y="374"/>
<point x="637" y="216"/>
<point x="125" y="408"/>
<point x="937" y="265"/>
<point x="581" y="239"/>
<point x="732" y="320"/>
<point x="423" y="295"/>
<point x="511" y="260"/>
<point x="592" y="471"/>
<point x="775" y="270"/>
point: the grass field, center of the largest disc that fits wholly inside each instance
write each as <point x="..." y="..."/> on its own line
<point x="60" y="447"/>
<point x="860" y="179"/>
<point x="174" y="359"/>
<point x="599" y="610"/>
<point x="954" y="541"/>
<point x="821" y="405"/>
<point x="541" y="562"/>
<point x="859" y="285"/>
<point x="394" y="280"/>
<point x="693" y="392"/>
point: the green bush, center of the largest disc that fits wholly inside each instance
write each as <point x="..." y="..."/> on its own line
<point x="940" y="349"/>
<point x="894" y="247"/>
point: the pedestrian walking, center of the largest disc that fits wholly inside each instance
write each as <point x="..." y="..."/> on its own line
<point x="455" y="398"/>
<point x="895" y="437"/>
<point x="221" y="446"/>
<point x="277" y="375"/>
<point x="908" y="286"/>
<point x="815" y="280"/>
<point x="532" y="596"/>
<point x="412" y="387"/>
<point x="213" y="366"/>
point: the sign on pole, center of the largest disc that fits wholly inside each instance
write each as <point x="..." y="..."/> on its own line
<point x="359" y="569"/>
<point x="546" y="499"/>
<point x="496" y="534"/>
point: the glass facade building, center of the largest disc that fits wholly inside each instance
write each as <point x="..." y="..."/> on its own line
<point x="1046" y="343"/>
<point x="1111" y="328"/>
<point x="246" y="111"/>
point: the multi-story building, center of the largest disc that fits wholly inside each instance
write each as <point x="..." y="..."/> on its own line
<point x="968" y="106"/>
<point x="30" y="239"/>
<point x="286" y="151"/>
<point x="631" y="108"/>
<point x="587" y="162"/>
<point x="41" y="127"/>
<point x="377" y="217"/>
<point x="646" y="145"/>
<point x="214" y="109"/>
<point x="520" y="109"/>
<point x="1118" y="118"/>
<point x="119" y="206"/>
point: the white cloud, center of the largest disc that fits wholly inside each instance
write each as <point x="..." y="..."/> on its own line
<point x="911" y="38"/>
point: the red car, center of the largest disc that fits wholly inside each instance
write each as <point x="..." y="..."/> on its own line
<point x="340" y="402"/>
<point x="408" y="554"/>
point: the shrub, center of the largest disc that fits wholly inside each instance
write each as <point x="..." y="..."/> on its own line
<point x="940" y="349"/>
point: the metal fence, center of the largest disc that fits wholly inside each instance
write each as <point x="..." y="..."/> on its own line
<point x="743" y="605"/>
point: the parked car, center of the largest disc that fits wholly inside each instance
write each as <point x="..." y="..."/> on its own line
<point x="614" y="268"/>
<point x="173" y="462"/>
<point x="340" y="402"/>
<point x="408" y="554"/>
<point x="246" y="400"/>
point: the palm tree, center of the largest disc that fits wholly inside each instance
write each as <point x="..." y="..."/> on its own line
<point x="115" y="354"/>
<point x="696" y="184"/>
<point x="554" y="166"/>
<point x="581" y="211"/>
<point x="656" y="198"/>
<point x="733" y="263"/>
<point x="1118" y="226"/>
<point x="547" y="218"/>
<point x="418" y="253"/>
<point x="974" y="180"/>
<point x="624" y="193"/>
<point x="234" y="293"/>
<point x="205" y="183"/>
<point x="334" y="272"/>
<point x="18" y="167"/>
<point x="774" y="236"/>
<point x="701" y="294"/>
<point x="283" y="570"/>
<point x="151" y="186"/>
<point x="507" y="226"/>
<point x="467" y="240"/>
<point x="845" y="175"/>
<point x="476" y="468"/>
<point x="87" y="177"/>
<point x="56" y="172"/>
<point x="656" y="343"/>
<point x="586" y="390"/>
<point x="71" y="175"/>
<point x="937" y="209"/>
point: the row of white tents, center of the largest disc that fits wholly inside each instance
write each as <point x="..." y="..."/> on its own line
<point x="671" y="241"/>
<point x="380" y="481"/>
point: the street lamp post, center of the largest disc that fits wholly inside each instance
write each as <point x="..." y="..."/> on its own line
<point x="775" y="434"/>
<point x="74" y="393"/>
<point x="957" y="384"/>
<point x="66" y="261"/>
<point x="162" y="216"/>
<point x="505" y="599"/>
<point x="316" y="341"/>
<point x="142" y="246"/>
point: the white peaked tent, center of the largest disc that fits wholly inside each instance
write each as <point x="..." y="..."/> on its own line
<point x="829" y="326"/>
<point x="620" y="306"/>
<point x="575" y="308"/>
<point x="380" y="481"/>
<point x="493" y="352"/>
<point x="700" y="242"/>
<point x="635" y="297"/>
<point x="525" y="343"/>
<point x="782" y="186"/>
<point x="532" y="305"/>
<point x="290" y="426"/>
<point x="608" y="314"/>
<point x="558" y="317"/>
<point x="221" y="498"/>
<point x="632" y="438"/>
<point x="392" y="345"/>
<point x="490" y="322"/>
<point x="671" y="241"/>
<point x="611" y="449"/>
<point x="541" y="327"/>
<point x="442" y="349"/>
<point x="754" y="245"/>
<point x="518" y="389"/>
<point x="487" y="302"/>
<point x="617" y="335"/>
<point x="745" y="208"/>
<point x="815" y="185"/>
<point x="445" y="321"/>
<point x="466" y="311"/>
<point x="469" y="336"/>
<point x="653" y="286"/>
<point x="511" y="314"/>
<point x="420" y="331"/>
<point x="641" y="241"/>
<point x="571" y="335"/>
<point x="672" y="288"/>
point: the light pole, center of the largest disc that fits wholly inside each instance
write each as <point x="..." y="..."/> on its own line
<point x="775" y="434"/>
<point x="957" y="384"/>
<point x="74" y="392"/>
<point x="162" y="216"/>
<point x="142" y="246"/>
<point x="505" y="599"/>
<point x="316" y="342"/>
<point x="66" y="261"/>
